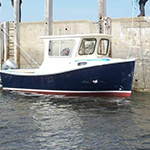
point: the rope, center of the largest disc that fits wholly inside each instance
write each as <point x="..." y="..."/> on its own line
<point x="142" y="56"/>
<point x="134" y="6"/>
<point x="20" y="47"/>
<point x="135" y="3"/>
<point x="26" y="60"/>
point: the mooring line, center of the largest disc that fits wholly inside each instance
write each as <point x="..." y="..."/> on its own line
<point x="20" y="46"/>
<point x="134" y="5"/>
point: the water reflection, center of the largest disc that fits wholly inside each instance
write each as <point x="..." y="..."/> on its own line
<point x="57" y="122"/>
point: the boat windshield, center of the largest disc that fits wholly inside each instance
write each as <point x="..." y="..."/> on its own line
<point x="61" y="47"/>
<point x="87" y="47"/>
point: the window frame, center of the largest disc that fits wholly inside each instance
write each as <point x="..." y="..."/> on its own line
<point x="50" y="48"/>
<point x="107" y="47"/>
<point x="93" y="48"/>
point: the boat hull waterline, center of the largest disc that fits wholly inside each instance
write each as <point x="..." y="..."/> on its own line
<point x="106" y="80"/>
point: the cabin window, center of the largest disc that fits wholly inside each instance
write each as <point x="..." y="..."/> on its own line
<point x="87" y="47"/>
<point x="103" y="47"/>
<point x="61" y="47"/>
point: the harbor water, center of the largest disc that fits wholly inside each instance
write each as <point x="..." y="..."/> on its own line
<point x="38" y="122"/>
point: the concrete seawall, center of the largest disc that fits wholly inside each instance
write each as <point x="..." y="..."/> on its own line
<point x="130" y="39"/>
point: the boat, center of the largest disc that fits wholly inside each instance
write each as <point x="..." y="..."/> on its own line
<point x="75" y="65"/>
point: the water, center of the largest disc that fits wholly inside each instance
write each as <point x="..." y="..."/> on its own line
<point x="31" y="122"/>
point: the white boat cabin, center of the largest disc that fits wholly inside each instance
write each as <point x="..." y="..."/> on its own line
<point x="69" y="52"/>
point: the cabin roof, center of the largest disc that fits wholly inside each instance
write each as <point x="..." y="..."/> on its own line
<point x="77" y="36"/>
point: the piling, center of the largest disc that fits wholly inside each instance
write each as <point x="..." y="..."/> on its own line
<point x="16" y="32"/>
<point x="48" y="16"/>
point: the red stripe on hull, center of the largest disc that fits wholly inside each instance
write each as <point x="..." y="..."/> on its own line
<point x="110" y="94"/>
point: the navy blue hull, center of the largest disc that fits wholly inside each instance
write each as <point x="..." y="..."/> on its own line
<point x="112" y="77"/>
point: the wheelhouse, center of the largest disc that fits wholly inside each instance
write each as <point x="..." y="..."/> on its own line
<point x="77" y="46"/>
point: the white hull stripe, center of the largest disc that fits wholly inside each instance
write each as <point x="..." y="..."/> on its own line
<point x="58" y="91"/>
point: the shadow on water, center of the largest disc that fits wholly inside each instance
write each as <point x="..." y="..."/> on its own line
<point x="110" y="104"/>
<point x="29" y="121"/>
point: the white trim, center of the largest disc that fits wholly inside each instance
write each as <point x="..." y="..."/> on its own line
<point x="112" y="61"/>
<point x="76" y="36"/>
<point x="58" y="91"/>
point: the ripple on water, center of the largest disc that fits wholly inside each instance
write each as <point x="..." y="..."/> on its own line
<point x="29" y="121"/>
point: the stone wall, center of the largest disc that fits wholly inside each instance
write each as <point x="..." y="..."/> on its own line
<point x="130" y="40"/>
<point x="31" y="44"/>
